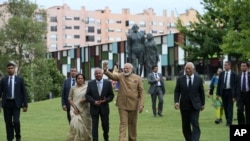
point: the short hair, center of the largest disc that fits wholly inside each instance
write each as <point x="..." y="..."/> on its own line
<point x="228" y="62"/>
<point x="190" y="63"/>
<point x="98" y="69"/>
<point x="10" y="64"/>
<point x="154" y="66"/>
<point x="129" y="64"/>
<point x="244" y="62"/>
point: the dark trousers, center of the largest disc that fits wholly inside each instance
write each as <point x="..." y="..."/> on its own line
<point x="68" y="115"/>
<point x="190" y="124"/>
<point x="105" y="126"/>
<point x="158" y="93"/>
<point x="228" y="104"/>
<point x="12" y="120"/>
<point x="243" y="108"/>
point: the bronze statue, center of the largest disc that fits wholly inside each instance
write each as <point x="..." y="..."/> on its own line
<point x="151" y="56"/>
<point x="135" y="44"/>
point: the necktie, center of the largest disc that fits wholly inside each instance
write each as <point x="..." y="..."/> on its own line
<point x="155" y="75"/>
<point x="225" y="82"/>
<point x="10" y="88"/>
<point x="99" y="87"/>
<point x="190" y="81"/>
<point x="73" y="82"/>
<point x="244" y="82"/>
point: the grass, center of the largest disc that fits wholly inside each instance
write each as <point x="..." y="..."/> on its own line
<point x="46" y="121"/>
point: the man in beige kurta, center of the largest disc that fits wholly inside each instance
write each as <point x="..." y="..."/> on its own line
<point x="129" y="101"/>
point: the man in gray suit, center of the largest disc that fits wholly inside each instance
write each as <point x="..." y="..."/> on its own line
<point x="157" y="89"/>
<point x="189" y="97"/>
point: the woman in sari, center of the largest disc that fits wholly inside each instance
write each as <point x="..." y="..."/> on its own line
<point x="80" y="125"/>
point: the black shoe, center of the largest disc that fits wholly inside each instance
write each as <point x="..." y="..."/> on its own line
<point x="218" y="121"/>
<point x="160" y="114"/>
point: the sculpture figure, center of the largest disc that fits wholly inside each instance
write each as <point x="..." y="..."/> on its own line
<point x="135" y="46"/>
<point x="151" y="56"/>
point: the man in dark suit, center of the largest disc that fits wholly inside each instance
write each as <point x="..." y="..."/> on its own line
<point x="226" y="90"/>
<point x="99" y="94"/>
<point x="156" y="89"/>
<point x="14" y="97"/>
<point x="67" y="84"/>
<point x="189" y="97"/>
<point x="242" y="95"/>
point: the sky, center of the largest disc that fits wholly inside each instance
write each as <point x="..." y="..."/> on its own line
<point x="116" y="6"/>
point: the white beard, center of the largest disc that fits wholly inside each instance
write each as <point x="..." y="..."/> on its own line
<point x="126" y="74"/>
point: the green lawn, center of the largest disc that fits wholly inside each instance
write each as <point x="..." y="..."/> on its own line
<point x="45" y="121"/>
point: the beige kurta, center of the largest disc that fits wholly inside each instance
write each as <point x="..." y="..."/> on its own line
<point x="80" y="125"/>
<point x="131" y="91"/>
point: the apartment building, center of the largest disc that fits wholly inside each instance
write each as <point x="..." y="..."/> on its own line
<point x="69" y="28"/>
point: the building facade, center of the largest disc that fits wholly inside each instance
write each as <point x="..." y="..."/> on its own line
<point x="69" y="28"/>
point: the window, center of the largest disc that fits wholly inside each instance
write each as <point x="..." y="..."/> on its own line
<point x="53" y="19"/>
<point x="118" y="22"/>
<point x="39" y="17"/>
<point x="90" y="38"/>
<point x="98" y="22"/>
<point x="98" y="39"/>
<point x="153" y="23"/>
<point x="99" y="31"/>
<point x="53" y="28"/>
<point x="160" y="23"/>
<point x="131" y="22"/>
<point x="53" y="37"/>
<point x="53" y="46"/>
<point x="91" y="29"/>
<point x="110" y="30"/>
<point x="68" y="18"/>
<point x="68" y="27"/>
<point x="110" y="38"/>
<point x="67" y="45"/>
<point x="154" y="31"/>
<point x="68" y="36"/>
<point x="118" y="30"/>
<point x="76" y="27"/>
<point x="161" y="32"/>
<point x="118" y="39"/>
<point x="76" y="36"/>
<point x="89" y="20"/>
<point x="142" y="24"/>
<point x="76" y="18"/>
<point x="110" y="21"/>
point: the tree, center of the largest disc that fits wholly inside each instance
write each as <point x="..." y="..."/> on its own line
<point x="237" y="40"/>
<point x="22" y="41"/>
<point x="23" y="34"/>
<point x="206" y="35"/>
<point x="42" y="79"/>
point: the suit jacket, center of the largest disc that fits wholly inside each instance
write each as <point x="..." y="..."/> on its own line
<point x="92" y="95"/>
<point x="131" y="91"/>
<point x="189" y="97"/>
<point x="20" y="94"/>
<point x="238" y="84"/>
<point x="65" y="92"/>
<point x="153" y="83"/>
<point x="221" y="83"/>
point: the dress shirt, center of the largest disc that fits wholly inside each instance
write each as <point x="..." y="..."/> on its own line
<point x="246" y="76"/>
<point x="156" y="76"/>
<point x="192" y="79"/>
<point x="228" y="79"/>
<point x="13" y="82"/>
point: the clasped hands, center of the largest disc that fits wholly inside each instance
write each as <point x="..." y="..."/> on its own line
<point x="99" y="102"/>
